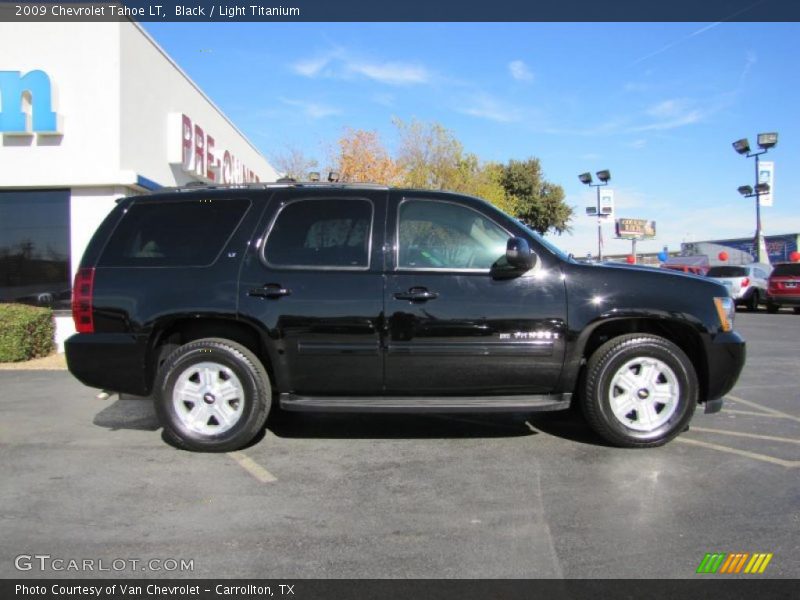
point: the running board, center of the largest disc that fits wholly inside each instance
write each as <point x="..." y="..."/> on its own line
<point x="431" y="404"/>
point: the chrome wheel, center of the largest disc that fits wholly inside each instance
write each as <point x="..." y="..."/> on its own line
<point x="208" y="398"/>
<point x="644" y="393"/>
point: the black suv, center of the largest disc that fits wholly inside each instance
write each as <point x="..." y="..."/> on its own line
<point x="326" y="297"/>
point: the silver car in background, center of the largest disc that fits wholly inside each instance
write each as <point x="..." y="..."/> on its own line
<point x="747" y="284"/>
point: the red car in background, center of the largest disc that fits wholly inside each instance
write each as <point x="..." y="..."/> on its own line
<point x="784" y="287"/>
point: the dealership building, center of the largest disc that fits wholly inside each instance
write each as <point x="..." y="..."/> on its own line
<point x="91" y="112"/>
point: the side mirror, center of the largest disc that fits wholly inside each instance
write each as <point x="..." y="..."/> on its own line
<point x="518" y="254"/>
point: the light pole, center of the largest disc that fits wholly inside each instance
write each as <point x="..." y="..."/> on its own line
<point x="586" y="178"/>
<point x="742" y="146"/>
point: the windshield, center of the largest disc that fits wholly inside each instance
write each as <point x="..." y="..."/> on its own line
<point x="554" y="249"/>
<point x="727" y="272"/>
<point x="537" y="237"/>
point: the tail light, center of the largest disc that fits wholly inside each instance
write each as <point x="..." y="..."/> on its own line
<point x="82" y="306"/>
<point x="745" y="282"/>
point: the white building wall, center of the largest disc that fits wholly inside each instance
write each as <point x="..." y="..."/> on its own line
<point x="153" y="88"/>
<point x="83" y="62"/>
<point x="117" y="94"/>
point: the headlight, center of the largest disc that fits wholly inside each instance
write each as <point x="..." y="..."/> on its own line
<point x="726" y="311"/>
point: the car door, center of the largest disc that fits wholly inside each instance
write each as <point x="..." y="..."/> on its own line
<point x="313" y="283"/>
<point x="455" y="326"/>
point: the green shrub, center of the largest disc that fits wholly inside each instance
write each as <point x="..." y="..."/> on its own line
<point x="25" y="332"/>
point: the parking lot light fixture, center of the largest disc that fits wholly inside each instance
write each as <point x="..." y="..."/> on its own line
<point x="586" y="178"/>
<point x="742" y="146"/>
<point x="765" y="142"/>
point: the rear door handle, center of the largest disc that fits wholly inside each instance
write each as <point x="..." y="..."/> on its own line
<point x="270" y="290"/>
<point x="417" y="294"/>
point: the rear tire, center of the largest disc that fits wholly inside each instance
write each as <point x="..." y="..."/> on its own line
<point x="212" y="395"/>
<point x="797" y="310"/>
<point x="772" y="307"/>
<point x="641" y="391"/>
<point x="753" y="301"/>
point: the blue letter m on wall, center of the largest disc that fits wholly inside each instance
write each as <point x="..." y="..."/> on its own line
<point x="13" y="89"/>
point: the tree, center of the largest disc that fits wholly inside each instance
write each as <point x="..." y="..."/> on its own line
<point x="294" y="163"/>
<point x="536" y="201"/>
<point x="430" y="156"/>
<point x="363" y="158"/>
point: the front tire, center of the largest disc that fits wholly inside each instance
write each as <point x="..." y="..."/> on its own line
<point x="641" y="391"/>
<point x="212" y="395"/>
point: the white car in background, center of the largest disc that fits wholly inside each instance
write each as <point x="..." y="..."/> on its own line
<point x="747" y="284"/>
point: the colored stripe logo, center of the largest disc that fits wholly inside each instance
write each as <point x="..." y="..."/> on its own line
<point x="734" y="563"/>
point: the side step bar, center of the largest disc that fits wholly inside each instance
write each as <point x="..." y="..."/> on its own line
<point x="430" y="404"/>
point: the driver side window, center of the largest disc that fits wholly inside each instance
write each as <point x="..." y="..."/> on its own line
<point x="442" y="235"/>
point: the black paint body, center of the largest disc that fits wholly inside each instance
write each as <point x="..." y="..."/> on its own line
<point x="345" y="332"/>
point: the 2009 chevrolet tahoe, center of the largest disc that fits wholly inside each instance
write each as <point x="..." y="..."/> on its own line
<point x="327" y="297"/>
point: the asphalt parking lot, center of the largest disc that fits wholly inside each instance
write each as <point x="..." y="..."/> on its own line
<point x="508" y="496"/>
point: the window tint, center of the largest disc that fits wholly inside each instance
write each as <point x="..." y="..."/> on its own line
<point x="727" y="272"/>
<point x="34" y="247"/>
<point x="171" y="234"/>
<point x="441" y="235"/>
<point x="325" y="233"/>
<point x="786" y="270"/>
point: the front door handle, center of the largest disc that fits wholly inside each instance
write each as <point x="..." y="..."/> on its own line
<point x="417" y="294"/>
<point x="270" y="290"/>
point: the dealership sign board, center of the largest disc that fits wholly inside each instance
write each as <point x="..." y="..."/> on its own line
<point x="766" y="174"/>
<point x="195" y="150"/>
<point x="635" y="228"/>
<point x="606" y="205"/>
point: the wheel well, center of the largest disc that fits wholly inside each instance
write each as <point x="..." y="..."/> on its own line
<point x="183" y="331"/>
<point x="679" y="334"/>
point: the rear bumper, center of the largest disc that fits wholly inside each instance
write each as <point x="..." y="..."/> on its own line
<point x="785" y="300"/>
<point x="726" y="357"/>
<point x="110" y="361"/>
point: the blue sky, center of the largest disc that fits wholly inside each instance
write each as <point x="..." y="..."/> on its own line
<point x="656" y="103"/>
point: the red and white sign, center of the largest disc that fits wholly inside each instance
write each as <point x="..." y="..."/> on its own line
<point x="195" y="151"/>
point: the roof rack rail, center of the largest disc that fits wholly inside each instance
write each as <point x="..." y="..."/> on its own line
<point x="194" y="186"/>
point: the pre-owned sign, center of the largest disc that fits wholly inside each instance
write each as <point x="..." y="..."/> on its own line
<point x="191" y="147"/>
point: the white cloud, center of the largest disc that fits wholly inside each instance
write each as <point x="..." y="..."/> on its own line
<point x="520" y="71"/>
<point x="669" y="114"/>
<point x="486" y="107"/>
<point x="313" y="110"/>
<point x="338" y="64"/>
<point x="392" y="73"/>
<point x="311" y="67"/>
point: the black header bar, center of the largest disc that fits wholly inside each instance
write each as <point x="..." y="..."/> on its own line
<point x="403" y="10"/>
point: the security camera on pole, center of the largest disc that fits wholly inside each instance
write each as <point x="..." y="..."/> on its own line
<point x="604" y="211"/>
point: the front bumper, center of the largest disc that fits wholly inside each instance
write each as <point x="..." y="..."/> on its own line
<point x="726" y="354"/>
<point x="110" y="361"/>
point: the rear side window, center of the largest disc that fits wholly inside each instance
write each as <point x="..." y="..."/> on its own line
<point x="727" y="272"/>
<point x="786" y="270"/>
<point x="185" y="233"/>
<point x="321" y="233"/>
